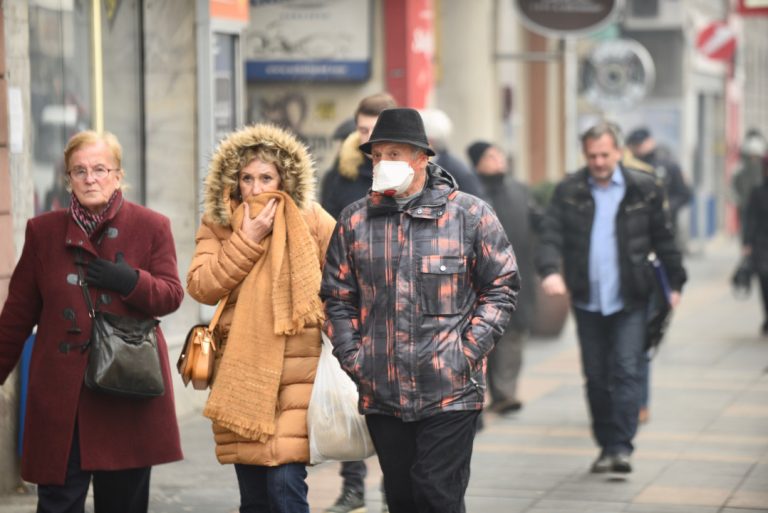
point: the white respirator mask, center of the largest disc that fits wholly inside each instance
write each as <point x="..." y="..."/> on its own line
<point x="392" y="177"/>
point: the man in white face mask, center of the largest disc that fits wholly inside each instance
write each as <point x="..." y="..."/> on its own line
<point x="419" y="283"/>
<point x="399" y="162"/>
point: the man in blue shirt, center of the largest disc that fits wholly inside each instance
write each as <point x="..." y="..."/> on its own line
<point x="601" y="225"/>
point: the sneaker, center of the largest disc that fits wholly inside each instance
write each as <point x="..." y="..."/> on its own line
<point x="621" y="463"/>
<point x="349" y="501"/>
<point x="602" y="464"/>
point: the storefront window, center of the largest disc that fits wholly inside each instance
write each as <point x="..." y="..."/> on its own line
<point x="62" y="96"/>
<point x="123" y="98"/>
<point x="224" y="85"/>
<point x="60" y="66"/>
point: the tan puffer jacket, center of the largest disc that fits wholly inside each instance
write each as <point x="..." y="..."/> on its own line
<point x="224" y="257"/>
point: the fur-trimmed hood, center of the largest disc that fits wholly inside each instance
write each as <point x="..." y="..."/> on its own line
<point x="298" y="169"/>
<point x="350" y="157"/>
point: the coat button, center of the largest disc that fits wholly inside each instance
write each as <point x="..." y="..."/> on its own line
<point x="419" y="211"/>
<point x="442" y="268"/>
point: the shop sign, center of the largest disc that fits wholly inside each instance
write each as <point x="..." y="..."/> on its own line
<point x="716" y="41"/>
<point x="753" y="7"/>
<point x="308" y="41"/>
<point x="566" y="17"/>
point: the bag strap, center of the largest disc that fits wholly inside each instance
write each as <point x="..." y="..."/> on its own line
<point x="217" y="314"/>
<point x="79" y="263"/>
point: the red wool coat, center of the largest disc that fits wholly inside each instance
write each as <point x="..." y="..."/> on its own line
<point x="115" y="433"/>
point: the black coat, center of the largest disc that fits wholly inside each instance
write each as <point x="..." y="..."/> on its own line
<point x="756" y="227"/>
<point x="466" y="179"/>
<point x="515" y="209"/>
<point x="642" y="226"/>
<point x="349" y="179"/>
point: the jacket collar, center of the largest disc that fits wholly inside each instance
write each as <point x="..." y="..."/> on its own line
<point x="583" y="183"/>
<point x="77" y="238"/>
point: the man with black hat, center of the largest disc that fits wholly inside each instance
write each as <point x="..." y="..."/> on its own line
<point x="418" y="284"/>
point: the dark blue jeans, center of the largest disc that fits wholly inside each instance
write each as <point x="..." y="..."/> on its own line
<point x="281" y="489"/>
<point x="612" y="357"/>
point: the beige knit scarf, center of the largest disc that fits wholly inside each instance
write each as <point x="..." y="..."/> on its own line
<point x="278" y="297"/>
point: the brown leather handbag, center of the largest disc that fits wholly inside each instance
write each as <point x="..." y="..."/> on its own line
<point x="196" y="360"/>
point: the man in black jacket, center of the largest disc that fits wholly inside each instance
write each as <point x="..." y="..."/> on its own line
<point x="352" y="173"/>
<point x="601" y="225"/>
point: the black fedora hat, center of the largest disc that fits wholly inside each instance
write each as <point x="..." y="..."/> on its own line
<point x="399" y="126"/>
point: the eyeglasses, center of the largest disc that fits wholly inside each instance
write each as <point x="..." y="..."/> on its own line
<point x="80" y="173"/>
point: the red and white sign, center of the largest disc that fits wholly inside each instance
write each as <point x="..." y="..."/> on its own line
<point x="717" y="41"/>
<point x="753" y="7"/>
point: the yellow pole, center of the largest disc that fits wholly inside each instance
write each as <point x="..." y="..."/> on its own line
<point x="98" y="69"/>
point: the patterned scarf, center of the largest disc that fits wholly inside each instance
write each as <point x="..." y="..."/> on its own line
<point x="88" y="220"/>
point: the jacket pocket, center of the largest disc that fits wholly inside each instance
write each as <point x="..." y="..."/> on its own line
<point x="444" y="282"/>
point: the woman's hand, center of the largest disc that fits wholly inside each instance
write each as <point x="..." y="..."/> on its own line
<point x="259" y="227"/>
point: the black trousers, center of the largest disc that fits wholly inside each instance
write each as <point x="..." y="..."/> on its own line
<point x="353" y="473"/>
<point x="425" y="463"/>
<point x="114" y="491"/>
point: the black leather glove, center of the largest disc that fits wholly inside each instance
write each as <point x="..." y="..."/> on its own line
<point x="117" y="276"/>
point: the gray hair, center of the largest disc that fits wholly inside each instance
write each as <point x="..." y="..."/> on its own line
<point x="602" y="128"/>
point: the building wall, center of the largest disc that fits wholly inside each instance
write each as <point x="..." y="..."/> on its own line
<point x="467" y="85"/>
<point x="755" y="76"/>
<point x="16" y="206"/>
<point x="171" y="149"/>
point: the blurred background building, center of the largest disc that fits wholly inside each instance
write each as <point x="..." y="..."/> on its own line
<point x="171" y="77"/>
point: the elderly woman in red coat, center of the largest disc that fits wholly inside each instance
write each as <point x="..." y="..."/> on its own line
<point x="127" y="256"/>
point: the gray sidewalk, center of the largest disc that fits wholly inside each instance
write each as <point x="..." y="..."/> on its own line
<point x="705" y="449"/>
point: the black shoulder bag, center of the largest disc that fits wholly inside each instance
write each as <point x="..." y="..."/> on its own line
<point x="123" y="358"/>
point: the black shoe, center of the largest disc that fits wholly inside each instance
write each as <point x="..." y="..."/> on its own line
<point x="621" y="463"/>
<point x="602" y="464"/>
<point x="349" y="501"/>
<point x="505" y="406"/>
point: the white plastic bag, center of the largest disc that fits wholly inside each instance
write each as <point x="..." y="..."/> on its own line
<point x="337" y="432"/>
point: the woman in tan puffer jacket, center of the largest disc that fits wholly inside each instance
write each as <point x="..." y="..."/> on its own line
<point x="261" y="244"/>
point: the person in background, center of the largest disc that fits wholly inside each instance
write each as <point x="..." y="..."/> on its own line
<point x="352" y="173"/>
<point x="73" y="435"/>
<point x="262" y="243"/>
<point x="644" y="147"/>
<point x="518" y="215"/>
<point x="755" y="239"/>
<point x="439" y="127"/>
<point x="601" y="224"/>
<point x="419" y="284"/>
<point x="750" y="174"/>
<point x="347" y="181"/>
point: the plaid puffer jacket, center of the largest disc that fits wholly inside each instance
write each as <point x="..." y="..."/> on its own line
<point x="417" y="296"/>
